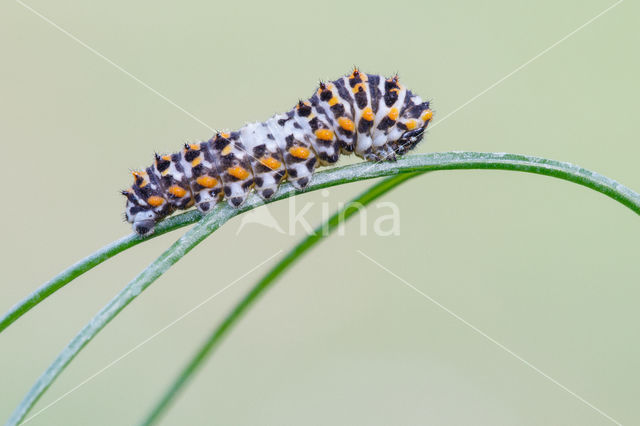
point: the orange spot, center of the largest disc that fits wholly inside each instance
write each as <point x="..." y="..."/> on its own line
<point x="155" y="201"/>
<point x="393" y="113"/>
<point x="324" y="134"/>
<point x="299" y="152"/>
<point x="166" y="158"/>
<point x="227" y="150"/>
<point x="357" y="88"/>
<point x="140" y="176"/>
<point x="426" y="116"/>
<point x="207" y="181"/>
<point x="271" y="163"/>
<point x="238" y="172"/>
<point x="196" y="161"/>
<point x="333" y="101"/>
<point x="178" y="191"/>
<point x="346" y="123"/>
<point x="411" y="124"/>
<point x="194" y="147"/>
<point x="225" y="135"/>
<point x="367" y="114"/>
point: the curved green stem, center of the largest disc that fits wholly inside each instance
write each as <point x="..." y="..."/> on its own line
<point x="90" y="262"/>
<point x="339" y="175"/>
<point x="331" y="177"/>
<point x="261" y="286"/>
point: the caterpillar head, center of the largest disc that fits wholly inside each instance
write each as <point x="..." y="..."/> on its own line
<point x="415" y="120"/>
<point x="145" y="204"/>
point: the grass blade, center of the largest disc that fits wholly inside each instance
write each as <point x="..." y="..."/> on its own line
<point x="324" y="179"/>
<point x="251" y="297"/>
<point x="90" y="262"/>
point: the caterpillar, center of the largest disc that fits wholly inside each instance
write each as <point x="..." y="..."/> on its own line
<point x="374" y="117"/>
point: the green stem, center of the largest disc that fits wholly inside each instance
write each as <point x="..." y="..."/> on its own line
<point x="90" y="262"/>
<point x="311" y="240"/>
<point x="339" y="175"/>
<point x="331" y="177"/>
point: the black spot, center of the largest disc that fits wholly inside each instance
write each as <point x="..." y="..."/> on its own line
<point x="198" y="170"/>
<point x="204" y="207"/>
<point x="297" y="126"/>
<point x="338" y="110"/>
<point x="135" y="209"/>
<point x="314" y="123"/>
<point x="270" y="136"/>
<point x="326" y="95"/>
<point x="374" y="91"/>
<point x="279" y="175"/>
<point x="220" y="143"/>
<point x="364" y="125"/>
<point x="303" y="110"/>
<point x="227" y="191"/>
<point x="390" y="98"/>
<point x="361" y="98"/>
<point x="289" y="141"/>
<point x="385" y="123"/>
<point x="259" y="181"/>
<point x="293" y="173"/>
<point x="259" y="150"/>
<point x="303" y="182"/>
<point x="236" y="201"/>
<point x="311" y="163"/>
<point x="162" y="165"/>
<point x="247" y="184"/>
<point x="191" y="155"/>
<point x="267" y="193"/>
<point x="141" y="229"/>
<point x="347" y="147"/>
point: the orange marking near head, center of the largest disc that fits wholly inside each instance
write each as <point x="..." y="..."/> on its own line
<point x="324" y="134"/>
<point x="411" y="124"/>
<point x="194" y="147"/>
<point x="207" y="181"/>
<point x="427" y="115"/>
<point x="367" y="114"/>
<point x="178" y="191"/>
<point x="155" y="201"/>
<point x="196" y="161"/>
<point x="227" y="150"/>
<point x="393" y="113"/>
<point x="271" y="163"/>
<point x="238" y="172"/>
<point x="299" y="152"/>
<point x="333" y="101"/>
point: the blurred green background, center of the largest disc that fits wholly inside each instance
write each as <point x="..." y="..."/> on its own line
<point x="545" y="267"/>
